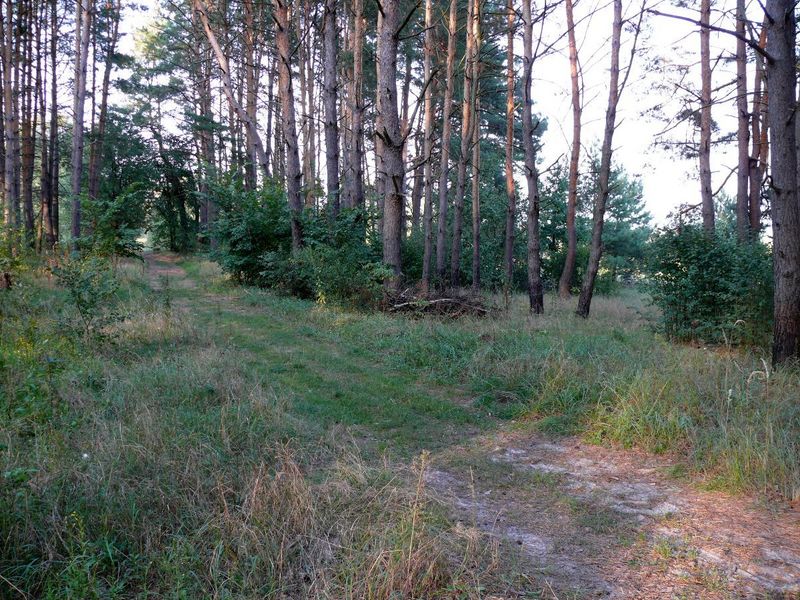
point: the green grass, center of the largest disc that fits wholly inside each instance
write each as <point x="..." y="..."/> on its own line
<point x="225" y="441"/>
<point x="226" y="454"/>
<point x="722" y="413"/>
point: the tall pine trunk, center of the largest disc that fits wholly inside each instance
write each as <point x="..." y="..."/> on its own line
<point x="98" y="137"/>
<point x="535" y="289"/>
<point x="463" y="158"/>
<point x="601" y="197"/>
<point x="781" y="80"/>
<point x="476" y="149"/>
<point x="330" y="101"/>
<point x="84" y="9"/>
<point x="760" y="146"/>
<point x="567" y="274"/>
<point x="511" y="193"/>
<point x="704" y="153"/>
<point x="391" y="138"/>
<point x="294" y="174"/>
<point x="354" y="179"/>
<point x="427" y="145"/>
<point x="743" y="131"/>
<point x="447" y="128"/>
<point x="10" y="121"/>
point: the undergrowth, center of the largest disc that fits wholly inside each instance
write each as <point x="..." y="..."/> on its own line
<point x="151" y="461"/>
<point x="610" y="378"/>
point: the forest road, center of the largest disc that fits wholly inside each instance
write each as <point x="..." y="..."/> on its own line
<point x="588" y="521"/>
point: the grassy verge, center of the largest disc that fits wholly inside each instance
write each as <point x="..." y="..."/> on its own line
<point x="226" y="442"/>
<point x="724" y="414"/>
<point x="188" y="457"/>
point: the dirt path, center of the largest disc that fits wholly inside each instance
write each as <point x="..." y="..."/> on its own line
<point x="591" y="521"/>
<point x="163" y="270"/>
<point x="601" y="522"/>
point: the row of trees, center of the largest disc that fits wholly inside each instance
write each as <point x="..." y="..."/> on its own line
<point x="407" y="104"/>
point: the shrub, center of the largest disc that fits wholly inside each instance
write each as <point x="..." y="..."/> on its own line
<point x="93" y="288"/>
<point x="336" y="264"/>
<point x="711" y="287"/>
<point x="115" y="224"/>
<point x="250" y="226"/>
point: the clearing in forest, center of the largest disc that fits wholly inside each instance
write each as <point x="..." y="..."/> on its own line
<point x="229" y="442"/>
<point x="601" y="521"/>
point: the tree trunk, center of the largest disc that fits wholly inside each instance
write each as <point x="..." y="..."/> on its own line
<point x="466" y="135"/>
<point x="760" y="146"/>
<point x="781" y="80"/>
<point x="227" y="87"/>
<point x="52" y="235"/>
<point x="251" y="96"/>
<point x="427" y="145"/>
<point x="10" y="122"/>
<point x="596" y="247"/>
<point x="83" y="18"/>
<point x="511" y="193"/>
<point x="705" y="118"/>
<point x="98" y="138"/>
<point x="447" y="128"/>
<point x="294" y="174"/>
<point x="568" y="273"/>
<point x="27" y="123"/>
<point x="45" y="219"/>
<point x="331" y="118"/>
<point x="535" y="289"/>
<point x="743" y="132"/>
<point x="392" y="139"/>
<point x="354" y="180"/>
<point x="476" y="150"/>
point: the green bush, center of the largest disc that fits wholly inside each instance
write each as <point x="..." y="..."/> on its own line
<point x="115" y="224"/>
<point x="711" y="287"/>
<point x="93" y="288"/>
<point x="338" y="263"/>
<point x="250" y="225"/>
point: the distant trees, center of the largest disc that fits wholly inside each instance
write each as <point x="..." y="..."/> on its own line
<point x="223" y="101"/>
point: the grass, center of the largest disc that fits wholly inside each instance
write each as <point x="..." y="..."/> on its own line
<point x="227" y="442"/>
<point x="188" y="458"/>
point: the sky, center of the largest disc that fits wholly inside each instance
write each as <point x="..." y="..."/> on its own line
<point x="668" y="179"/>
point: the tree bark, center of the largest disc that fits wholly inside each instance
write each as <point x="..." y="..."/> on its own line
<point x="427" y="146"/>
<point x="705" y="118"/>
<point x="476" y="150"/>
<point x="743" y="131"/>
<point x="98" y="137"/>
<point x="331" y="117"/>
<point x="466" y="135"/>
<point x="251" y="96"/>
<point x="84" y="9"/>
<point x="447" y="128"/>
<point x="10" y="122"/>
<point x="535" y="289"/>
<point x="511" y="193"/>
<point x="392" y="140"/>
<point x="596" y="247"/>
<point x="227" y="87"/>
<point x="760" y="146"/>
<point x="294" y="174"/>
<point x="28" y="117"/>
<point x="354" y="180"/>
<point x="781" y="81"/>
<point x="52" y="235"/>
<point x="568" y="273"/>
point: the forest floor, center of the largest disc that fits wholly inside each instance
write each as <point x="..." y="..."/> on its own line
<point x="190" y="438"/>
<point x="587" y="520"/>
